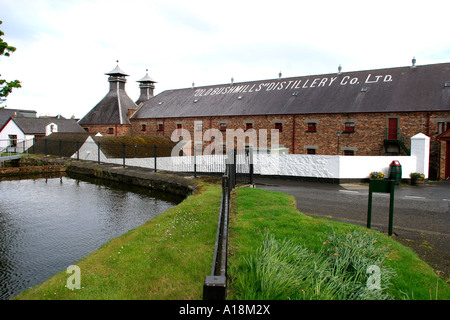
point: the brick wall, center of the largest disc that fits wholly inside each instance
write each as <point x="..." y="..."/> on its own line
<point x="367" y="139"/>
<point x="117" y="130"/>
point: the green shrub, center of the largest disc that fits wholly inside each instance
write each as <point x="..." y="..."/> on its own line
<point x="281" y="269"/>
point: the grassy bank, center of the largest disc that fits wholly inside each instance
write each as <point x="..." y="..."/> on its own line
<point x="166" y="258"/>
<point x="276" y="252"/>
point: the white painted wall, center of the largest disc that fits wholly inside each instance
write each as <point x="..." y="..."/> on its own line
<point x="89" y="151"/>
<point x="50" y="128"/>
<point x="300" y="165"/>
<point x="23" y="140"/>
<point x="358" y="167"/>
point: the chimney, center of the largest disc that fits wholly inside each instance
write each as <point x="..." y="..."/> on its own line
<point x="146" y="84"/>
<point x="117" y="79"/>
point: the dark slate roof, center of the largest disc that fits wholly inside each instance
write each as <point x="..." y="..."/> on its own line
<point x="112" y="109"/>
<point x="402" y="89"/>
<point x="37" y="125"/>
<point x="7" y="113"/>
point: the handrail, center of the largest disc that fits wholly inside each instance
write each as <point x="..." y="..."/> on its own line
<point x="11" y="146"/>
<point x="400" y="137"/>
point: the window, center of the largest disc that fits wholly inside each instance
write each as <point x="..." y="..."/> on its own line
<point x="311" y="151"/>
<point x="160" y="126"/>
<point x="442" y="127"/>
<point x="143" y="127"/>
<point x="222" y="126"/>
<point x="279" y="126"/>
<point x="349" y="153"/>
<point x="12" y="140"/>
<point x="349" y="127"/>
<point x="199" y="126"/>
<point x="248" y="126"/>
<point x="312" y="127"/>
<point x="110" y="130"/>
<point x="179" y="128"/>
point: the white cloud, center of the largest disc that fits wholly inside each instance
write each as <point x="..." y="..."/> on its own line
<point x="65" y="47"/>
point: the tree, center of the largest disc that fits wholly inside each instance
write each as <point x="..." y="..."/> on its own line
<point x="6" y="86"/>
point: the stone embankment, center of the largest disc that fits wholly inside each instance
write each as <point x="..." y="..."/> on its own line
<point x="137" y="176"/>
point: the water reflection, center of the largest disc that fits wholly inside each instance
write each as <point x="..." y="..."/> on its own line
<point x="47" y="224"/>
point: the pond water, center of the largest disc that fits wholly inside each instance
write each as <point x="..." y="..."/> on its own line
<point x="47" y="224"/>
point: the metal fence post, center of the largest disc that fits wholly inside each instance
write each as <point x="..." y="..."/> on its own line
<point x="123" y="154"/>
<point x="98" y="153"/>
<point x="251" y="167"/>
<point x="155" y="155"/>
<point x="195" y="161"/>
<point x="391" y="207"/>
<point x="78" y="150"/>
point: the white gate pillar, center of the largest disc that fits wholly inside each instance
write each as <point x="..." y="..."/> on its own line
<point x="420" y="148"/>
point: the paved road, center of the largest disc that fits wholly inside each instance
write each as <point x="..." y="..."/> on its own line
<point x="421" y="214"/>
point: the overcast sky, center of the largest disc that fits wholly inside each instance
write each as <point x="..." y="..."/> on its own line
<point x="64" y="48"/>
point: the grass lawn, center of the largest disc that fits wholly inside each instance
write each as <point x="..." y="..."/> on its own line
<point x="273" y="245"/>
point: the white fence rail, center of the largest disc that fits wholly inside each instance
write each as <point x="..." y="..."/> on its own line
<point x="10" y="146"/>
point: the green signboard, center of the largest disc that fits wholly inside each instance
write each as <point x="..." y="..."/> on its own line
<point x="382" y="186"/>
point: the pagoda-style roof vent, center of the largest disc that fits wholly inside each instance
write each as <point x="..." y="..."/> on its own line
<point x="117" y="71"/>
<point x="146" y="78"/>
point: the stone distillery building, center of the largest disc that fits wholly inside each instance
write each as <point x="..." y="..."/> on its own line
<point x="369" y="113"/>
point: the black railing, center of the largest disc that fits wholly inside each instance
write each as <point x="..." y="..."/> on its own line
<point x="215" y="285"/>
